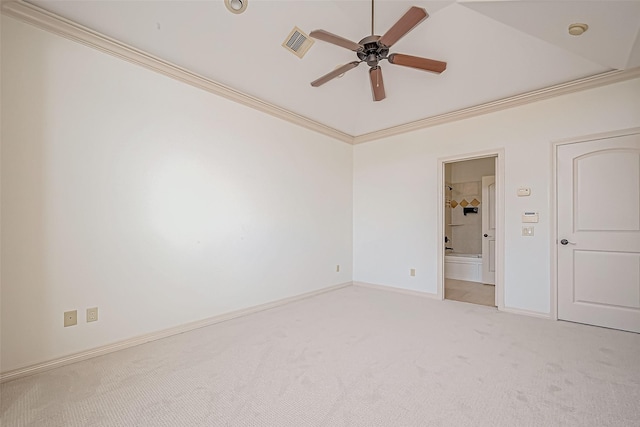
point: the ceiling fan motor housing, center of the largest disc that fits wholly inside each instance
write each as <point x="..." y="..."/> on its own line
<point x="373" y="51"/>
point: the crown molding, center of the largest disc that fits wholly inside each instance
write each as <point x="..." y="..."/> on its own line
<point x="48" y="21"/>
<point x="58" y="25"/>
<point x="603" y="79"/>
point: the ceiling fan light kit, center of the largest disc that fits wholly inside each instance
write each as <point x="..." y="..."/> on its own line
<point x="373" y="49"/>
<point x="236" y="6"/>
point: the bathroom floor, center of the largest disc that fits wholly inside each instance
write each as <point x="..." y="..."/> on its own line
<point x="472" y="292"/>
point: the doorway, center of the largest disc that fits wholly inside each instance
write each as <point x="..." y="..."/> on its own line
<point x="470" y="225"/>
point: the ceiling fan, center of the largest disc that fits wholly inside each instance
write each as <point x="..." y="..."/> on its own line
<point x="373" y="49"/>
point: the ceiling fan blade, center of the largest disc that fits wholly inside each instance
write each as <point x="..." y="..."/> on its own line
<point x="417" y="62"/>
<point x="328" y="37"/>
<point x="377" y="84"/>
<point x="409" y="20"/>
<point x="335" y="73"/>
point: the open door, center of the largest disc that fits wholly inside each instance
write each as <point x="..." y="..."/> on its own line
<point x="489" y="230"/>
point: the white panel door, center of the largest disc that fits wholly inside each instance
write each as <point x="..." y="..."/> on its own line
<point x="489" y="230"/>
<point x="599" y="232"/>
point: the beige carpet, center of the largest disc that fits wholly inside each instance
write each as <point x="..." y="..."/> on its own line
<point x="471" y="292"/>
<point x="352" y="357"/>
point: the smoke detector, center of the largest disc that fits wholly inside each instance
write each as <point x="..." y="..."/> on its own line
<point x="578" y="29"/>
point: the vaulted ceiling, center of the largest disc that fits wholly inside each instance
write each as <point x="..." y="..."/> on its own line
<point x="494" y="49"/>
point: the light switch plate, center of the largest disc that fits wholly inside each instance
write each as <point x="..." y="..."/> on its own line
<point x="527" y="231"/>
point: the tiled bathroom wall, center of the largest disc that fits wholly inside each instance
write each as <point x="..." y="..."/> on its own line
<point x="466" y="230"/>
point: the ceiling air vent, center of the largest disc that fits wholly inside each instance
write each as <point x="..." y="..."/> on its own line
<point x="297" y="42"/>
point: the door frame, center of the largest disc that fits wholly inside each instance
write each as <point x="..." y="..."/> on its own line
<point x="553" y="241"/>
<point x="499" y="174"/>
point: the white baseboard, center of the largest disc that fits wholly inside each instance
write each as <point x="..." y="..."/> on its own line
<point x="131" y="342"/>
<point x="527" y="312"/>
<point x="435" y="296"/>
<point x="397" y="290"/>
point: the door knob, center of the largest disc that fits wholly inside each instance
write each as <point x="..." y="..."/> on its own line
<point x="486" y="235"/>
<point x="566" y="242"/>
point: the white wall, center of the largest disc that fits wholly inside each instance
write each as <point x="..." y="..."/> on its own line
<point x="396" y="189"/>
<point x="157" y="202"/>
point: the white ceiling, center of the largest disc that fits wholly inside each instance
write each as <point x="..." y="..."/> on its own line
<point x="494" y="49"/>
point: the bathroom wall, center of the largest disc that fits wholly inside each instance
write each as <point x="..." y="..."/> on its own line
<point x="466" y="230"/>
<point x="472" y="170"/>
<point x="466" y="180"/>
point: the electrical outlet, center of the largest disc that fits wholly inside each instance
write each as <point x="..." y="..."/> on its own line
<point x="413" y="272"/>
<point x="70" y="318"/>
<point x="338" y="268"/>
<point x="92" y="314"/>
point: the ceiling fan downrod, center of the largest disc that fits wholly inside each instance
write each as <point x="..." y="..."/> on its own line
<point x="372" y="15"/>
